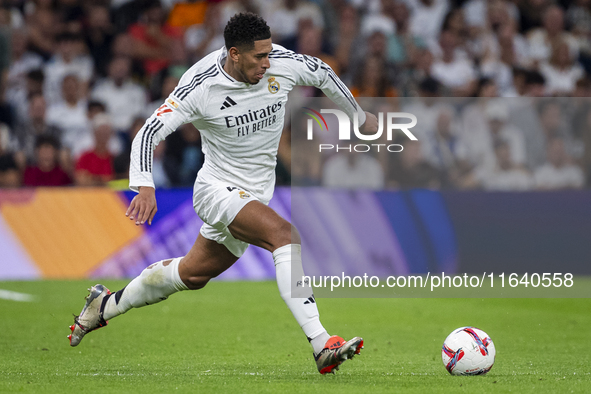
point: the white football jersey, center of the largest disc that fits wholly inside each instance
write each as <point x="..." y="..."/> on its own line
<point x="240" y="123"/>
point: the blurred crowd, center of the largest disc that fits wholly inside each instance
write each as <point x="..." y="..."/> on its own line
<point x="485" y="143"/>
<point x="79" y="78"/>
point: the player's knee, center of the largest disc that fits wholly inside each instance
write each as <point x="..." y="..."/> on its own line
<point x="284" y="234"/>
<point x="196" y="282"/>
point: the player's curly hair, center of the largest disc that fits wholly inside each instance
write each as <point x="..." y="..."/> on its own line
<point x="244" y="29"/>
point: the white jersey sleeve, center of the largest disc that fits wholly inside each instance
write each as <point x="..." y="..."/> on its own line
<point x="182" y="106"/>
<point x="311" y="71"/>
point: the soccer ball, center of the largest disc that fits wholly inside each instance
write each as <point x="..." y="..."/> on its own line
<point x="468" y="351"/>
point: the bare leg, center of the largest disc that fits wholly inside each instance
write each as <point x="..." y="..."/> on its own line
<point x="206" y="259"/>
<point x="259" y="225"/>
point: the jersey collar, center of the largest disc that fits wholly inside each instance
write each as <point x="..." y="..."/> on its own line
<point x="221" y="61"/>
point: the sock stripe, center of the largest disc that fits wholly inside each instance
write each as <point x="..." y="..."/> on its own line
<point x="118" y="295"/>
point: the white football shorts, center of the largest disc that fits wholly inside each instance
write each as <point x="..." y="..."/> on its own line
<point x="217" y="204"/>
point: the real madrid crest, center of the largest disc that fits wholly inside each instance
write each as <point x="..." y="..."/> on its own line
<point x="273" y="85"/>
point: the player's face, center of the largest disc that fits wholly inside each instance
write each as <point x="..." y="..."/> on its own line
<point x="252" y="64"/>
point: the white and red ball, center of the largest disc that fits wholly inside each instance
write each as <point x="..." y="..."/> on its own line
<point x="468" y="351"/>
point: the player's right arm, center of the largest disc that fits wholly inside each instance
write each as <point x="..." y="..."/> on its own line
<point x="179" y="108"/>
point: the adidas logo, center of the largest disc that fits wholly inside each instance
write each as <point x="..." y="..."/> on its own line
<point x="310" y="300"/>
<point x="228" y="102"/>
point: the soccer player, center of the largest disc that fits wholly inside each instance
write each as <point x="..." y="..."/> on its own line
<point x="236" y="97"/>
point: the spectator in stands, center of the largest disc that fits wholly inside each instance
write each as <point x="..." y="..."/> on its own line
<point x="419" y="69"/>
<point x="10" y="175"/>
<point x="69" y="115"/>
<point x="372" y="80"/>
<point x="286" y="16"/>
<point x="99" y="35"/>
<point x="353" y="170"/>
<point x="453" y="71"/>
<point x="153" y="39"/>
<point x="86" y="141"/>
<point x="123" y="46"/>
<point x="508" y="51"/>
<point x="230" y="8"/>
<point x="21" y="97"/>
<point x="22" y="62"/>
<point x="531" y="13"/>
<point x="6" y="115"/>
<point x="485" y="14"/>
<point x="375" y="46"/>
<point x="426" y="18"/>
<point x="447" y="148"/>
<point x="559" y="172"/>
<point x="403" y="44"/>
<point x="46" y="170"/>
<point x="208" y="36"/>
<point x="455" y="23"/>
<point x="43" y="29"/>
<point x="183" y="157"/>
<point x="505" y="175"/>
<point x="555" y="122"/>
<point x="124" y="99"/>
<point x="68" y="59"/>
<point x="427" y="108"/>
<point x="562" y="71"/>
<point x="535" y="84"/>
<point x="578" y="17"/>
<point x="541" y="39"/>
<point x="95" y="167"/>
<point x="372" y="22"/>
<point x="500" y="129"/>
<point x="94" y="108"/>
<point x="348" y="38"/>
<point x="409" y="169"/>
<point x="70" y="15"/>
<point x="475" y="126"/>
<point x="34" y="126"/>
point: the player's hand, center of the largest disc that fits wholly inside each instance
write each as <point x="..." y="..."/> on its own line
<point x="143" y="206"/>
<point x="371" y="124"/>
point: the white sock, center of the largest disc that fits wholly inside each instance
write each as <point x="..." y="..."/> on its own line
<point x="153" y="285"/>
<point x="289" y="270"/>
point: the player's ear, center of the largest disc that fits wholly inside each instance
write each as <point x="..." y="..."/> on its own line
<point x="233" y="53"/>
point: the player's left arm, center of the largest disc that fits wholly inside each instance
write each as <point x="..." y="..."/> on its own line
<point x="311" y="71"/>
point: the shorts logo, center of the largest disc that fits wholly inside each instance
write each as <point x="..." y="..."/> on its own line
<point x="241" y="193"/>
<point x="273" y="85"/>
<point x="171" y="102"/>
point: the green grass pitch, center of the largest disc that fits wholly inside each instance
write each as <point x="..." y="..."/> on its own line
<point x="239" y="337"/>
